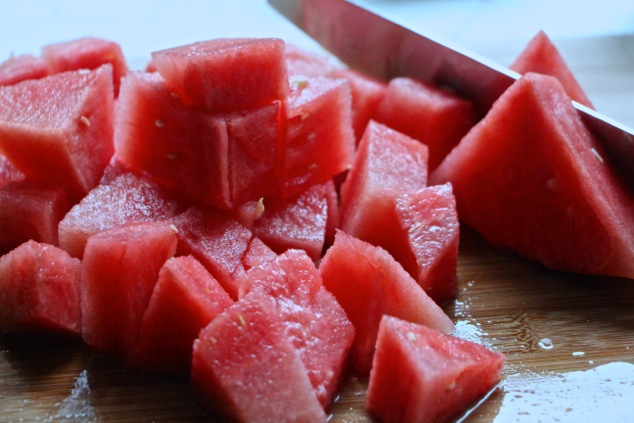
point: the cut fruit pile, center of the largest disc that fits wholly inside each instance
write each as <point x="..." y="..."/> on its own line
<point x="253" y="218"/>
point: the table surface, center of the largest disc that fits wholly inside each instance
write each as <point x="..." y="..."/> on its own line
<point x="568" y="338"/>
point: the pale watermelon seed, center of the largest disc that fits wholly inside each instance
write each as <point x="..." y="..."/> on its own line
<point x="159" y="123"/>
<point x="85" y="121"/>
<point x="596" y="153"/>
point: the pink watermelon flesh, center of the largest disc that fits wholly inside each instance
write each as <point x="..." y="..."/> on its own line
<point x="430" y="237"/>
<point x="369" y="283"/>
<point x="39" y="290"/>
<point x="20" y="68"/>
<point x="387" y="164"/>
<point x="304" y="63"/>
<point x="225" y="75"/>
<point x="30" y="212"/>
<point x="245" y="368"/>
<point x="216" y="240"/>
<point x="313" y="320"/>
<point x="86" y="53"/>
<point x="299" y="222"/>
<point x="531" y="178"/>
<point x="8" y="172"/>
<point x="542" y="56"/>
<point x="185" y="299"/>
<point x="434" y="116"/>
<point x="127" y="199"/>
<point x="257" y="253"/>
<point x="119" y="270"/>
<point x="422" y="375"/>
<point x="59" y="129"/>
<point x="319" y="137"/>
<point x="185" y="149"/>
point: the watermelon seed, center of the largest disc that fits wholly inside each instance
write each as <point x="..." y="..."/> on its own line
<point x="311" y="136"/>
<point x="243" y="323"/>
<point x="259" y="208"/>
<point x="174" y="228"/>
<point x="85" y="121"/>
<point x="174" y="95"/>
<point x="596" y="153"/>
<point x="159" y="123"/>
<point x="172" y="156"/>
<point x="451" y="386"/>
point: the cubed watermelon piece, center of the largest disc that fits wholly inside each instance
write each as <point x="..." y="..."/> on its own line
<point x="434" y="116"/>
<point x="185" y="299"/>
<point x="430" y="237"/>
<point x="30" y="212"/>
<point x="20" y="68"/>
<point x="302" y="62"/>
<point x="319" y="136"/>
<point x="86" y="53"/>
<point x="183" y="148"/>
<point x="217" y="240"/>
<point x="8" y="172"/>
<point x="119" y="271"/>
<point x="59" y="129"/>
<point x="542" y="56"/>
<point x="368" y="283"/>
<point x="226" y="74"/>
<point x="39" y="290"/>
<point x="298" y="222"/>
<point x="313" y="319"/>
<point x="423" y="375"/>
<point x="530" y="177"/>
<point x="127" y="199"/>
<point x="246" y="369"/>
<point x="387" y="164"/>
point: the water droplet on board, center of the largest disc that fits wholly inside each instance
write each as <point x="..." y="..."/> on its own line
<point x="545" y="344"/>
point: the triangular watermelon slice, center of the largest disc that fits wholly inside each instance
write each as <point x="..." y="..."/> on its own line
<point x="530" y="177"/>
<point x="422" y="375"/>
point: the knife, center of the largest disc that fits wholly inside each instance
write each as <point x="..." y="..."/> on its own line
<point x="383" y="48"/>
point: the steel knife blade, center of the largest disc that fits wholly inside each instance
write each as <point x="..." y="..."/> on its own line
<point x="381" y="47"/>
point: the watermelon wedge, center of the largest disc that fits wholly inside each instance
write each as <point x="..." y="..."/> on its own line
<point x="20" y="68"/>
<point x="369" y="283"/>
<point x="422" y="375"/>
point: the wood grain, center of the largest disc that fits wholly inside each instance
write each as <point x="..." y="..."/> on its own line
<point x="504" y="302"/>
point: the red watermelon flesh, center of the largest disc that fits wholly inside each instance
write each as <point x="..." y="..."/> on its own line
<point x="225" y="75"/>
<point x="530" y="177"/>
<point x="183" y="148"/>
<point x="119" y="271"/>
<point x="430" y="233"/>
<point x="127" y="199"/>
<point x="256" y="254"/>
<point x="39" y="290"/>
<point x="59" y="129"/>
<point x="20" y="68"/>
<point x="8" y="172"/>
<point x="185" y="299"/>
<point x="299" y="222"/>
<point x="319" y="137"/>
<point x="245" y="368"/>
<point x="303" y="63"/>
<point x="313" y="320"/>
<point x="542" y="56"/>
<point x="422" y="375"/>
<point x="86" y="53"/>
<point x="30" y="212"/>
<point x="434" y="116"/>
<point x="368" y="283"/>
<point x="217" y="240"/>
<point x="387" y="164"/>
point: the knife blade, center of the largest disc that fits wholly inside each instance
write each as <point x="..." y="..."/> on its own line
<point x="383" y="48"/>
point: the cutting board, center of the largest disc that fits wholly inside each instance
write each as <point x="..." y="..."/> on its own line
<point x="568" y="338"/>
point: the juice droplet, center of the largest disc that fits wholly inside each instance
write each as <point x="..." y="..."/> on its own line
<point x="546" y="344"/>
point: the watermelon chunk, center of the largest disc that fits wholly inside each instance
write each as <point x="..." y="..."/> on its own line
<point x="541" y="56"/>
<point x="299" y="222"/>
<point x="30" y="212"/>
<point x="39" y="290"/>
<point x="533" y="145"/>
<point x="319" y="137"/>
<point x="313" y="319"/>
<point x="127" y="199"/>
<point x="119" y="270"/>
<point x="86" y="53"/>
<point x="387" y="164"/>
<point x="422" y="375"/>
<point x="184" y="149"/>
<point x="430" y="237"/>
<point x="20" y="68"/>
<point x="59" y="129"/>
<point x="185" y="299"/>
<point x="8" y="172"/>
<point x="369" y="283"/>
<point x="218" y="241"/>
<point x="226" y="74"/>
<point x="434" y="116"/>
<point x="245" y="368"/>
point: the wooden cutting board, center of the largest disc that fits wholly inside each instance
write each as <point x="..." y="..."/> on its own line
<point x="568" y="338"/>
